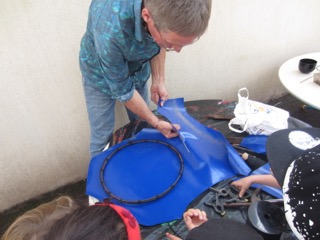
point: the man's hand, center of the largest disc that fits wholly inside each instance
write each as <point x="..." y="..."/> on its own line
<point x="167" y="129"/>
<point x="159" y="93"/>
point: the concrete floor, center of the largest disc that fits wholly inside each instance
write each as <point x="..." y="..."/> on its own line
<point x="76" y="190"/>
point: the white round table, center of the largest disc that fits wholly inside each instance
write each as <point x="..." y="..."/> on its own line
<point x="295" y="81"/>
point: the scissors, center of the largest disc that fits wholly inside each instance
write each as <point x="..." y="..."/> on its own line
<point x="180" y="136"/>
<point x="174" y="129"/>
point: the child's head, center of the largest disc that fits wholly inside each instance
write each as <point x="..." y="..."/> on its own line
<point x="64" y="219"/>
<point x="101" y="221"/>
<point x="35" y="223"/>
<point x="294" y="156"/>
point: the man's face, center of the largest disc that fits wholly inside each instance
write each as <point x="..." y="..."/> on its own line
<point x="168" y="40"/>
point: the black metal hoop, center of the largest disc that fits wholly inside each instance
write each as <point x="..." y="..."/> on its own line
<point x="107" y="159"/>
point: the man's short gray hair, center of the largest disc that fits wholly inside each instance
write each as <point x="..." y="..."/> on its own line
<point x="183" y="17"/>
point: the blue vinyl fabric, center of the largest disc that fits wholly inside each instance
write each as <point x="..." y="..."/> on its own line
<point x="256" y="143"/>
<point x="140" y="170"/>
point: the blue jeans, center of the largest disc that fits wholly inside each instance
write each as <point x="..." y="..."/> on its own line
<point x="100" y="109"/>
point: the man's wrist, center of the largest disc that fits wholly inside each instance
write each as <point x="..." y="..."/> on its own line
<point x="155" y="123"/>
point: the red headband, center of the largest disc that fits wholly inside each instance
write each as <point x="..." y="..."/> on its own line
<point x="132" y="226"/>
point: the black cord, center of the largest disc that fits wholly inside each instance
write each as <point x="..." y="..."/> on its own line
<point x="107" y="159"/>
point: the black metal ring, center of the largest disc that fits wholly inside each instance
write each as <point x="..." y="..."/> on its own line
<point x="107" y="159"/>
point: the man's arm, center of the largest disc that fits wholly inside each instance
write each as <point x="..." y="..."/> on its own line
<point x="138" y="106"/>
<point x="158" y="89"/>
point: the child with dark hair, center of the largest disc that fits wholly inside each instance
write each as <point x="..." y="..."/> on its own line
<point x="63" y="218"/>
<point x="101" y="221"/>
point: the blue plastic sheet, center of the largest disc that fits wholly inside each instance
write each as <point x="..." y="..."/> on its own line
<point x="256" y="143"/>
<point x="143" y="170"/>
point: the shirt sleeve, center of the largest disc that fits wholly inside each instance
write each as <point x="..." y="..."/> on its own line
<point x="114" y="66"/>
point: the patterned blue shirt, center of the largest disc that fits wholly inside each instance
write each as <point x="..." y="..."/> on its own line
<point x="116" y="50"/>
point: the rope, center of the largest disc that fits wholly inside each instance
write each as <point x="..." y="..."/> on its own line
<point x="140" y="201"/>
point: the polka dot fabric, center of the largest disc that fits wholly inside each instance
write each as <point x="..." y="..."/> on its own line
<point x="302" y="195"/>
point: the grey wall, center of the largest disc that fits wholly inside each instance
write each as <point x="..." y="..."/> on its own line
<point x="43" y="121"/>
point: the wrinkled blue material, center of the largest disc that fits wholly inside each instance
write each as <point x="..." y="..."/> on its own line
<point x="211" y="159"/>
<point x="256" y="143"/>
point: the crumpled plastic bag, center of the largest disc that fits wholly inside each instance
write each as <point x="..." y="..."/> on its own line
<point x="257" y="118"/>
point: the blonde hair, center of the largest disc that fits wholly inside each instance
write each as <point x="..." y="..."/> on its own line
<point x="35" y="223"/>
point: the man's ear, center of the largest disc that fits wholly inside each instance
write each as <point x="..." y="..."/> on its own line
<point x="145" y="14"/>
